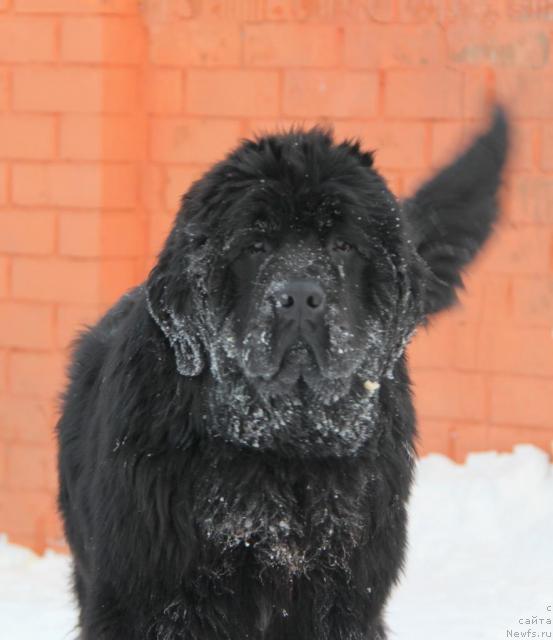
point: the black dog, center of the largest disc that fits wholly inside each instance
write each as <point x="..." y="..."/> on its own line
<point x="236" y="444"/>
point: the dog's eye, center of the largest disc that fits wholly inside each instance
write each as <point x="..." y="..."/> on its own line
<point x="342" y="245"/>
<point x="258" y="247"/>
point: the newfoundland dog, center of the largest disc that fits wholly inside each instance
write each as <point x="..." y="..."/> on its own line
<point x="237" y="437"/>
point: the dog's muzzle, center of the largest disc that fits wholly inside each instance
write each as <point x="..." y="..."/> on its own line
<point x="300" y="307"/>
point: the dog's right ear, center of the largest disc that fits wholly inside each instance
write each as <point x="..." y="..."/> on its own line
<point x="172" y="304"/>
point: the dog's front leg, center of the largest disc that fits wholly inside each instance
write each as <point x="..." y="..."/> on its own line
<point x="349" y="628"/>
<point x="108" y="618"/>
<point x="105" y="615"/>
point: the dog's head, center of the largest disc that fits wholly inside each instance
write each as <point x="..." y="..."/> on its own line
<point x="293" y="265"/>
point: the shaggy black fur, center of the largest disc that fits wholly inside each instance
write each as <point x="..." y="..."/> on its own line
<point x="236" y="443"/>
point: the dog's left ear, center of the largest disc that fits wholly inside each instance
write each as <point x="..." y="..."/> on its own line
<point x="452" y="215"/>
<point x="173" y="301"/>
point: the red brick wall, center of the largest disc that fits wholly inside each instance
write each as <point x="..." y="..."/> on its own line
<point x="110" y="108"/>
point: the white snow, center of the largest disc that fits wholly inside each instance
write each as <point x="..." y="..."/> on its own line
<point x="35" y="600"/>
<point x="480" y="558"/>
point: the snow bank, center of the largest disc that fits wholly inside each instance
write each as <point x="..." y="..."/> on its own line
<point x="481" y="548"/>
<point x="35" y="600"/>
<point x="480" y="559"/>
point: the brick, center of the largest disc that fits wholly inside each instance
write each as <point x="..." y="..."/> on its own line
<point x="25" y="232"/>
<point x="526" y="351"/>
<point x="330" y="93"/>
<point x="374" y="10"/>
<point x="383" y="46"/>
<point x="499" y="44"/>
<point x="424" y="94"/>
<point x="411" y="180"/>
<point x="51" y="531"/>
<point x="478" y="91"/>
<point x="196" y="44"/>
<point x="417" y="10"/>
<point x="72" y="320"/>
<point x="546" y="159"/>
<point x="26" y="325"/>
<point x="517" y="250"/>
<point x="5" y="266"/>
<point x="434" y="437"/>
<point x="93" y="235"/>
<point x="289" y="10"/>
<point x="55" y="280"/>
<point x="165" y="91"/>
<point x="434" y="347"/>
<point x="4" y="363"/>
<point x="3" y="464"/>
<point x="20" y="512"/>
<point x="27" y="420"/>
<point x="79" y="235"/>
<point x="465" y="341"/>
<point x="179" y="180"/>
<point x="158" y="229"/>
<point x="40" y="375"/>
<point x="151" y="186"/>
<point x="156" y="14"/>
<point x="486" y="298"/>
<point x="477" y="298"/>
<point x="451" y="138"/>
<point x="27" y="136"/>
<point x="450" y="394"/>
<point x="394" y="182"/>
<point x="51" y="473"/>
<point x="468" y="438"/>
<point x="524" y="401"/>
<point x="4" y="89"/>
<point x="397" y="144"/>
<point x="74" y="89"/>
<point x="25" y="39"/>
<point x="530" y="199"/>
<point x="58" y="89"/>
<point x="107" y="137"/>
<point x="122" y="235"/>
<point x="529" y="10"/>
<point x="112" y="40"/>
<point x="533" y="301"/>
<point x="81" y="6"/>
<point x="4" y="178"/>
<point x="117" y="275"/>
<point x="119" y="186"/>
<point x="448" y="140"/>
<point x="504" y="439"/>
<point x="254" y="127"/>
<point x="28" y="466"/>
<point x="232" y="93"/>
<point x="307" y="45"/>
<point x="80" y="185"/>
<point x="120" y="90"/>
<point x="523" y="153"/>
<point x="441" y="12"/>
<point x="33" y="184"/>
<point x="524" y="92"/>
<point x="24" y="540"/>
<point x="192" y="140"/>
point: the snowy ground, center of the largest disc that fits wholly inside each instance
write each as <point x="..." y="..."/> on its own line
<point x="481" y="558"/>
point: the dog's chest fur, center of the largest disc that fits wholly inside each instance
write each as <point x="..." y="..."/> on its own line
<point x="291" y="517"/>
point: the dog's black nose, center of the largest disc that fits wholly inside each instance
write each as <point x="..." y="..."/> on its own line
<point x="300" y="299"/>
